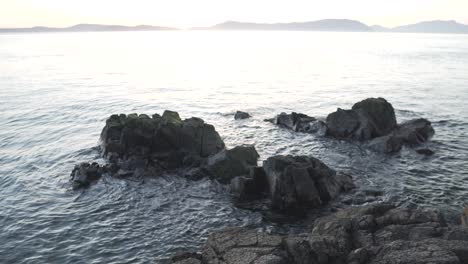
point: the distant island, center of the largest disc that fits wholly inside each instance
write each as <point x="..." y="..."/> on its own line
<point x="340" y="25"/>
<point x="346" y="25"/>
<point x="85" y="28"/>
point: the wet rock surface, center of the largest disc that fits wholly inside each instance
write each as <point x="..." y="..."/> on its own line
<point x="86" y="173"/>
<point x="374" y="234"/>
<point x="299" y="181"/>
<point x="371" y="121"/>
<point x="300" y="123"/>
<point x="241" y="115"/>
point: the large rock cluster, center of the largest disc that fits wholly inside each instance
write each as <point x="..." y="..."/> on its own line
<point x="372" y="121"/>
<point x="376" y="234"/>
<point x="139" y="145"/>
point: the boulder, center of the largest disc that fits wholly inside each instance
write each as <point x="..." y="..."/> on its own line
<point x="380" y="114"/>
<point x="300" y="123"/>
<point x="241" y="115"/>
<point x="299" y="181"/>
<point x="86" y="173"/>
<point x="410" y="133"/>
<point x="415" y="131"/>
<point x="370" y="118"/>
<point x="227" y="164"/>
<point x="159" y="142"/>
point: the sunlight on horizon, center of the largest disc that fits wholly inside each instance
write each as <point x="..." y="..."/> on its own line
<point x="185" y="14"/>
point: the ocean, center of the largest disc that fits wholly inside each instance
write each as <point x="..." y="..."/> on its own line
<point x="57" y="90"/>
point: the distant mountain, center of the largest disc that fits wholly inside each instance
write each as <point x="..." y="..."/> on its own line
<point x="85" y="28"/>
<point x="378" y="28"/>
<point x="320" y="25"/>
<point x="437" y="26"/>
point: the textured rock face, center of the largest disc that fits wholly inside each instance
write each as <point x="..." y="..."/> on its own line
<point x="411" y="133"/>
<point x="295" y="182"/>
<point x="241" y="115"/>
<point x="144" y="136"/>
<point x="376" y="234"/>
<point x="371" y="121"/>
<point x="380" y="114"/>
<point x="300" y="123"/>
<point x="158" y="143"/>
<point x="227" y="164"/>
<point x="370" y="118"/>
<point x="85" y="173"/>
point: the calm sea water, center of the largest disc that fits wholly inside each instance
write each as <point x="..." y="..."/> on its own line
<point x="56" y="90"/>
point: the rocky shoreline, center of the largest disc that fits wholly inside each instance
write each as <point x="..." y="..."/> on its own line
<point x="137" y="146"/>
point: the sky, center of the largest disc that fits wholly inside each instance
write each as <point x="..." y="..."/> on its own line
<point x="195" y="13"/>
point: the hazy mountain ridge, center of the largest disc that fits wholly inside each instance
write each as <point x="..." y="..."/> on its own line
<point x="319" y="25"/>
<point x="88" y="28"/>
<point x="343" y="25"/>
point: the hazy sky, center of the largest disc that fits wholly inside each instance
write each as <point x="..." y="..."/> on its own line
<point x="188" y="13"/>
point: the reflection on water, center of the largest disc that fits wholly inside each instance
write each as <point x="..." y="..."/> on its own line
<point x="56" y="90"/>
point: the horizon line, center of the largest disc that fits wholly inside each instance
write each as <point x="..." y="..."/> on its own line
<point x="225" y="21"/>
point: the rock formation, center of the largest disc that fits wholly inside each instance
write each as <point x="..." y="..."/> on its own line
<point x="139" y="145"/>
<point x="241" y="115"/>
<point x="293" y="183"/>
<point x="371" y="121"/>
<point x="375" y="234"/>
<point x="85" y="173"/>
<point x="300" y="123"/>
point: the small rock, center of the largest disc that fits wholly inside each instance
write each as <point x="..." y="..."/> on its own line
<point x="425" y="151"/>
<point x="241" y="115"/>
<point x="86" y="173"/>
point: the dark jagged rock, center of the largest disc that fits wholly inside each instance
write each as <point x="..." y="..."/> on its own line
<point x="380" y="114"/>
<point x="241" y="115"/>
<point x="300" y="123"/>
<point x="158" y="143"/>
<point x="250" y="187"/>
<point x="464" y="217"/>
<point x="295" y="182"/>
<point x="86" y="173"/>
<point x="371" y="121"/>
<point x="410" y="133"/>
<point x="370" y="118"/>
<point x="375" y="234"/>
<point x="227" y="164"/>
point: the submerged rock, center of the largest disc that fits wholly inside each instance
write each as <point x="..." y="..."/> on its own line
<point x="300" y="123"/>
<point x="425" y="151"/>
<point x="86" y="173"/>
<point x="241" y="115"/>
<point x="375" y="234"/>
<point x="299" y="181"/>
<point x="464" y="217"/>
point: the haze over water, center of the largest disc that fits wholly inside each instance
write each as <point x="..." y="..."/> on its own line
<point x="56" y="91"/>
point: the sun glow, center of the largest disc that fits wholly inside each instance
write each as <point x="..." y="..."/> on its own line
<point x="189" y="13"/>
